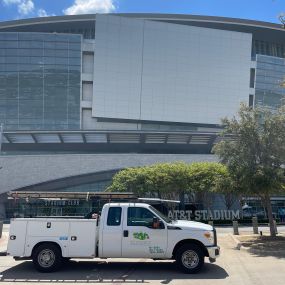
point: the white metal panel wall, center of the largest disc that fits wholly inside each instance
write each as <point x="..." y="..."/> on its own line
<point x="148" y="70"/>
<point x="193" y="74"/>
<point x="89" y="123"/>
<point x="118" y="67"/>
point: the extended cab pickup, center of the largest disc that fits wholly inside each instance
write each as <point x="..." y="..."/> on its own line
<point x="125" y="230"/>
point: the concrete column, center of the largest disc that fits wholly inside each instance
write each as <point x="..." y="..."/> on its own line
<point x="3" y="200"/>
<point x="235" y="227"/>
<point x="275" y="226"/>
<point x="255" y="225"/>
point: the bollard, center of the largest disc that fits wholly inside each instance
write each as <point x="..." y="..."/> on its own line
<point x="235" y="227"/>
<point x="255" y="225"/>
<point x="1" y="228"/>
<point x="211" y="223"/>
<point x="275" y="226"/>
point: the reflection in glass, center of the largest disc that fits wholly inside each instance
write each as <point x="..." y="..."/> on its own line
<point x="40" y="81"/>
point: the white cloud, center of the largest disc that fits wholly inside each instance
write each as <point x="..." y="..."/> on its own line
<point x="9" y="2"/>
<point x="24" y="7"/>
<point x="90" y="7"/>
<point x="42" y="13"/>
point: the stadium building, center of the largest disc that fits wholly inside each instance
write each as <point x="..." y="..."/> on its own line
<point x="84" y="96"/>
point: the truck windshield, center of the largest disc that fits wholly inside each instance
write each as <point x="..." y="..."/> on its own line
<point x="163" y="217"/>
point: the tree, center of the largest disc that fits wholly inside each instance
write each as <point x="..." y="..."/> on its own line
<point x="255" y="153"/>
<point x="226" y="185"/>
<point x="205" y="179"/>
<point x="172" y="180"/>
<point x="163" y="180"/>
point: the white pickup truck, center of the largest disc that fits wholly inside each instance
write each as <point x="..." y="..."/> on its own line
<point x="124" y="230"/>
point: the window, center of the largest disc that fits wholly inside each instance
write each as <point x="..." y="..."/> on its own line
<point x="114" y="216"/>
<point x="252" y="77"/>
<point x="250" y="101"/>
<point x="140" y="217"/>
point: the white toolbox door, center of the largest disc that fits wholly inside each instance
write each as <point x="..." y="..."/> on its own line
<point x="16" y="244"/>
<point x="82" y="238"/>
<point x="47" y="228"/>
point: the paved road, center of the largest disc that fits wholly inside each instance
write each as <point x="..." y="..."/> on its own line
<point x="234" y="267"/>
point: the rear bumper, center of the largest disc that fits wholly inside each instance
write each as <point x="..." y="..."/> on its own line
<point x="214" y="252"/>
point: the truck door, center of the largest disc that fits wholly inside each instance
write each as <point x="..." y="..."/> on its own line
<point x="112" y="233"/>
<point x="140" y="238"/>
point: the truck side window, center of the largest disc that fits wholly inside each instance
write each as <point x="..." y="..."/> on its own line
<point x="140" y="217"/>
<point x="114" y="216"/>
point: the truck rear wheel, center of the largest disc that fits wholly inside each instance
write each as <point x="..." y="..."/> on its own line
<point x="47" y="257"/>
<point x="190" y="258"/>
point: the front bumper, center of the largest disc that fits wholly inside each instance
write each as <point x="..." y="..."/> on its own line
<point x="214" y="252"/>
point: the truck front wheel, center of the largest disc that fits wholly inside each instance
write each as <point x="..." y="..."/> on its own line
<point x="190" y="258"/>
<point x="47" y="257"/>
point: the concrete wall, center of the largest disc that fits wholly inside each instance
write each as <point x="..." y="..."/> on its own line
<point x="25" y="170"/>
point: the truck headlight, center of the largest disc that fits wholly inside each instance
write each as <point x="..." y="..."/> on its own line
<point x="209" y="235"/>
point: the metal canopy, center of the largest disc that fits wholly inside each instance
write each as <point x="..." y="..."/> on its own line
<point x="109" y="137"/>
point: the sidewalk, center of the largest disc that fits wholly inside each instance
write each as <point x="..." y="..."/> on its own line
<point x="247" y="229"/>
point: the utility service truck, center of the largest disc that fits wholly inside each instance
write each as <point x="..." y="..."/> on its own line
<point x="124" y="230"/>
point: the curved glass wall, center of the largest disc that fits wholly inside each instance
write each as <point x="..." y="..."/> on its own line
<point x="40" y="81"/>
<point x="269" y="93"/>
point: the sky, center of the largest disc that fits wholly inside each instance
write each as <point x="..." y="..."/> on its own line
<point x="263" y="10"/>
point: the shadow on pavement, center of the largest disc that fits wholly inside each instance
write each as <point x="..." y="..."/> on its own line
<point x="263" y="246"/>
<point x="266" y="253"/>
<point x="108" y="272"/>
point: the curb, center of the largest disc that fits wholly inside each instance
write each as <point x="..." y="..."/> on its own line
<point x="239" y="246"/>
<point x="237" y="242"/>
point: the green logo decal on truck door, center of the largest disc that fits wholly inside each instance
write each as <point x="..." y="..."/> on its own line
<point x="141" y="236"/>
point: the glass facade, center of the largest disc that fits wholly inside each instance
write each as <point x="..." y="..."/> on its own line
<point x="40" y="77"/>
<point x="268" y="48"/>
<point x="84" y="28"/>
<point x="269" y="76"/>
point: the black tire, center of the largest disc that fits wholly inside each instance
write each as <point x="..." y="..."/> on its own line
<point x="65" y="261"/>
<point x="194" y="253"/>
<point x="47" y="257"/>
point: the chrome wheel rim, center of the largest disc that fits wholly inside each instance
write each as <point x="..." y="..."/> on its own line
<point x="46" y="258"/>
<point x="190" y="259"/>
